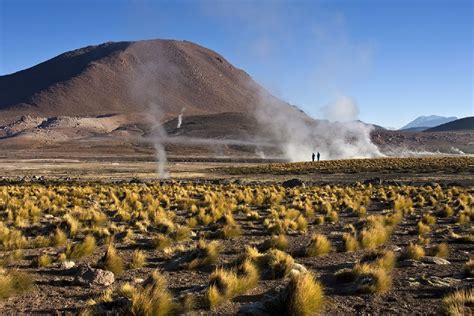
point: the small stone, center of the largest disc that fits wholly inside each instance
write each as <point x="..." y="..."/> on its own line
<point x="435" y="260"/>
<point x="440" y="282"/>
<point x="67" y="265"/>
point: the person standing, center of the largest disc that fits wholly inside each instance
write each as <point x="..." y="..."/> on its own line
<point x="313" y="156"/>
<point x="318" y="156"/>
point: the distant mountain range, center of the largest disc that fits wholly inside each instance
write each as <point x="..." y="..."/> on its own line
<point x="463" y="124"/>
<point x="422" y="123"/>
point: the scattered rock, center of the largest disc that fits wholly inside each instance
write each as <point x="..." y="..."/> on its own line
<point x="440" y="282"/>
<point x="88" y="276"/>
<point x="412" y="282"/>
<point x="435" y="260"/>
<point x="373" y="181"/>
<point x="298" y="268"/>
<point x="67" y="265"/>
<point x="292" y="183"/>
<point x="394" y="248"/>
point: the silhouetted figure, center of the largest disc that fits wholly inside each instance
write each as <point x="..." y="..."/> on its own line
<point x="318" y="156"/>
<point x="314" y="156"/>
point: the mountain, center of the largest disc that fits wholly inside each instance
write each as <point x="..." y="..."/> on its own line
<point x="463" y="124"/>
<point x="131" y="77"/>
<point x="425" y="122"/>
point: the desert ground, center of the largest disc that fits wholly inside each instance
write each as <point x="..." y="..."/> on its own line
<point x="102" y="235"/>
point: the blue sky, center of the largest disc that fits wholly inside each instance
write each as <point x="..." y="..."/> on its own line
<point x="396" y="59"/>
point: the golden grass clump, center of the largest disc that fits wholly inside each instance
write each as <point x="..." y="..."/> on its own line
<point x="469" y="268"/>
<point x="441" y="250"/>
<point x="138" y="260"/>
<point x="428" y="219"/>
<point x="87" y="247"/>
<point x="414" y="251"/>
<point x="305" y="295"/>
<point x="318" y="246"/>
<point x="14" y="282"/>
<point x="375" y="280"/>
<point x="208" y="253"/>
<point x="459" y="302"/>
<point x="154" y="299"/>
<point x="276" y="263"/>
<point x="112" y="261"/>
<point x="371" y="238"/>
<point x="446" y="211"/>
<point x="278" y="242"/>
<point x="350" y="242"/>
<point x="43" y="261"/>
<point x="59" y="238"/>
<point x="226" y="284"/>
<point x="423" y="229"/>
<point x="332" y="217"/>
<point x="160" y="241"/>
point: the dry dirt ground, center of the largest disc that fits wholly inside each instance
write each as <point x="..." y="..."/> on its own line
<point x="418" y="287"/>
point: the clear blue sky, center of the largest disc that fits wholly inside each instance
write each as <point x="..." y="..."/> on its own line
<point x="397" y="59"/>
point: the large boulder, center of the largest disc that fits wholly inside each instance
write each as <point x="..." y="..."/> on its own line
<point x="292" y="183"/>
<point x="88" y="276"/>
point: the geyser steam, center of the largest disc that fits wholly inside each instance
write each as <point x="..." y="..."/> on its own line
<point x="299" y="136"/>
<point x="180" y="118"/>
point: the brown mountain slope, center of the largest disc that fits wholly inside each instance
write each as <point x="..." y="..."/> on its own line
<point x="127" y="77"/>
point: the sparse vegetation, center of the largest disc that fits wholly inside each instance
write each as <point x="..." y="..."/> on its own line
<point x="459" y="302"/>
<point x="199" y="232"/>
<point x="318" y="246"/>
<point x="305" y="295"/>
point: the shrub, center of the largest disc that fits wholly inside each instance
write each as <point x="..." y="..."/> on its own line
<point x="225" y="284"/>
<point x="457" y="303"/>
<point x="371" y="238"/>
<point x="229" y="231"/>
<point x="160" y="241"/>
<point x="304" y="295"/>
<point x="153" y="299"/>
<point x="85" y="248"/>
<point x="442" y="250"/>
<point x="446" y="211"/>
<point x="278" y="242"/>
<point x="374" y="280"/>
<point x="332" y="217"/>
<point x="318" y="246"/>
<point x="43" y="261"/>
<point x="112" y="261"/>
<point x="138" y="260"/>
<point x="428" y="219"/>
<point x="60" y="238"/>
<point x="302" y="223"/>
<point x="208" y="253"/>
<point x="423" y="229"/>
<point x="350" y="242"/>
<point x="14" y="282"/>
<point x="469" y="268"/>
<point x="414" y="251"/>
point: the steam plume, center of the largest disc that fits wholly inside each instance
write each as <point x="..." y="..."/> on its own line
<point x="180" y="118"/>
<point x="299" y="136"/>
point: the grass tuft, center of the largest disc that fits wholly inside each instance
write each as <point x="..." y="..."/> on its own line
<point x="318" y="246"/>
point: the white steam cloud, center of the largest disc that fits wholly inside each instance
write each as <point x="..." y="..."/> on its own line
<point x="146" y="92"/>
<point x="343" y="109"/>
<point x="180" y="118"/>
<point x="299" y="136"/>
